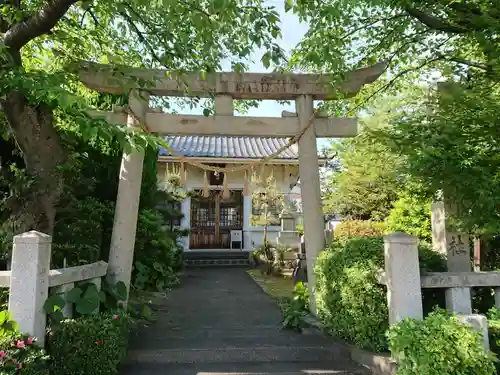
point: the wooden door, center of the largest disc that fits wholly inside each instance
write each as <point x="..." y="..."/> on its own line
<point x="213" y="218"/>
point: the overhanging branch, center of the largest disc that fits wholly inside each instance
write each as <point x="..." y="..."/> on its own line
<point x="38" y="24"/>
<point x="434" y="23"/>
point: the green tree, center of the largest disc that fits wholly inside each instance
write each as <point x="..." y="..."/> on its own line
<point x="40" y="95"/>
<point x="450" y="143"/>
<point x="367" y="182"/>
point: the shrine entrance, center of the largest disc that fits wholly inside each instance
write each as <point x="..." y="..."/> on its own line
<point x="213" y="218"/>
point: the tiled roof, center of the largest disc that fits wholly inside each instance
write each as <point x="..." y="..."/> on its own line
<point x="229" y="147"/>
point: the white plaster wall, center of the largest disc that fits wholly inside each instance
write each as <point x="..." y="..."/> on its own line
<point x="284" y="176"/>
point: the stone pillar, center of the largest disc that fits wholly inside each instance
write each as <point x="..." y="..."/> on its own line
<point x="186" y="219"/>
<point x="29" y="282"/>
<point x="311" y="194"/>
<point x="288" y="236"/>
<point x="402" y="271"/>
<point x="247" y="212"/>
<point x="480" y="324"/>
<point x="455" y="246"/>
<point x="63" y="290"/>
<point x="121" y="252"/>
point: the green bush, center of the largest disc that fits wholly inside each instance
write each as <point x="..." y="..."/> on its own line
<point x="157" y="253"/>
<point x="78" y="233"/>
<point x="350" y="302"/>
<point x="89" y="345"/>
<point x="411" y="214"/>
<point x="439" y="344"/>
<point x="19" y="353"/>
<point x="296" y="307"/>
<point x="359" y="228"/>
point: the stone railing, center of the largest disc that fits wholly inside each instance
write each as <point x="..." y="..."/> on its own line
<point x="404" y="284"/>
<point x="31" y="280"/>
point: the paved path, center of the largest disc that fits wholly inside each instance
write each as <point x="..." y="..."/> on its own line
<point x="219" y="322"/>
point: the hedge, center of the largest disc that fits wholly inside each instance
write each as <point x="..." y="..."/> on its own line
<point x="350" y="302"/>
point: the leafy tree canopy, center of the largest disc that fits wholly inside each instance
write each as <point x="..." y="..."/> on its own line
<point x="40" y="97"/>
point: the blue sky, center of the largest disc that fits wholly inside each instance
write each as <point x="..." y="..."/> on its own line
<point x="292" y="31"/>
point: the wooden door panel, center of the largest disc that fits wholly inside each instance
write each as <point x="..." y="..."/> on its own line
<point x="213" y="218"/>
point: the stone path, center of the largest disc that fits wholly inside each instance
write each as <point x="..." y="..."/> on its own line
<point x="220" y="322"/>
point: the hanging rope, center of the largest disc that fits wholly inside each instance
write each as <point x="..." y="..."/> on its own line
<point x="244" y="167"/>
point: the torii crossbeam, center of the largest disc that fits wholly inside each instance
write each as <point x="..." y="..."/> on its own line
<point x="303" y="88"/>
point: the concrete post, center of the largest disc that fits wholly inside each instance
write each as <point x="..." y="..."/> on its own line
<point x="29" y="282"/>
<point x="121" y="252"/>
<point x="402" y="270"/>
<point x="457" y="250"/>
<point x="480" y="324"/>
<point x="311" y="194"/>
<point x="64" y="289"/>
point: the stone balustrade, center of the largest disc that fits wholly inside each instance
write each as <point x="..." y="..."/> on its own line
<point x="31" y="278"/>
<point x="404" y="284"/>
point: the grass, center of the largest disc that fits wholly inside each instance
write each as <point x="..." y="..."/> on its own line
<point x="275" y="286"/>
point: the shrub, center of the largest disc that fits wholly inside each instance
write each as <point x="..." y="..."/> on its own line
<point x="89" y="345"/>
<point x="350" y="302"/>
<point x="494" y="333"/>
<point x="18" y="353"/>
<point x="21" y="356"/>
<point x="157" y="253"/>
<point x="359" y="228"/>
<point x="439" y="344"/>
<point x="78" y="233"/>
<point x="296" y="308"/>
<point x="411" y="214"/>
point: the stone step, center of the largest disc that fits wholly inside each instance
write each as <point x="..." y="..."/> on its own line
<point x="239" y="354"/>
<point x="216" y="262"/>
<point x="247" y="368"/>
<point x="191" y="255"/>
<point x="165" y="340"/>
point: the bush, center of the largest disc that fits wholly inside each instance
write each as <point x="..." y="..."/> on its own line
<point x="157" y="254"/>
<point x="89" y="345"/>
<point x="359" y="228"/>
<point x="296" y="308"/>
<point x="439" y="344"/>
<point x="78" y="233"/>
<point x="411" y="214"/>
<point x="18" y="353"/>
<point x="350" y="302"/>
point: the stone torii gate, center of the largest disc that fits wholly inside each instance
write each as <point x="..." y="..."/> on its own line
<point x="303" y="88"/>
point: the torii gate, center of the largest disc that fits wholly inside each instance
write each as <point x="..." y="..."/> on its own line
<point x="303" y="88"/>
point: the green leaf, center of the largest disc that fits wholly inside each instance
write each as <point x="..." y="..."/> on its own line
<point x="87" y="306"/>
<point x="206" y="112"/>
<point x="266" y="59"/>
<point x="288" y="5"/>
<point x="74" y="295"/>
<point x="121" y="291"/>
<point x="54" y="303"/>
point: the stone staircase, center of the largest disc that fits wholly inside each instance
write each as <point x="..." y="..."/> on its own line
<point x="216" y="258"/>
<point x="219" y="322"/>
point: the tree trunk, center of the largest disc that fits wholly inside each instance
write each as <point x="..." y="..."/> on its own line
<point x="36" y="137"/>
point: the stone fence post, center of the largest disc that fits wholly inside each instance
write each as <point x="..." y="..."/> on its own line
<point x="29" y="282"/>
<point x="402" y="272"/>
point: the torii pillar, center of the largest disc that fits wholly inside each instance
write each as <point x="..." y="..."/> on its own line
<point x="311" y="193"/>
<point x="121" y="252"/>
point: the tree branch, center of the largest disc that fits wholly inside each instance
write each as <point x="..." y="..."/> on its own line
<point x="434" y="22"/>
<point x="141" y="37"/>
<point x="470" y="63"/>
<point x="38" y="24"/>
